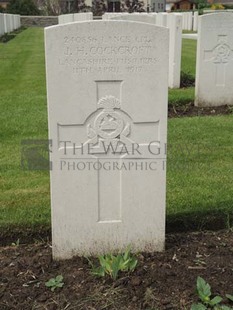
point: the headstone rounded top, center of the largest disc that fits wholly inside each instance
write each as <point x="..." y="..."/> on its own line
<point x="217" y="15"/>
<point x="106" y="23"/>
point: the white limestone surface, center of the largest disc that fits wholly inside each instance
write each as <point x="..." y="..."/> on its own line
<point x="107" y="90"/>
<point x="83" y="16"/>
<point x="172" y="21"/>
<point x="195" y="21"/>
<point x="174" y="24"/>
<point x="65" y="19"/>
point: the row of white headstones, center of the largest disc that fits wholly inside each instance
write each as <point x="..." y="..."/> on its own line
<point x="189" y="19"/>
<point x="107" y="91"/>
<point x="9" y="23"/>
<point x="213" y="65"/>
<point x="76" y="17"/>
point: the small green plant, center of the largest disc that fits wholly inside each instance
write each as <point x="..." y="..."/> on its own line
<point x="230" y="297"/>
<point x="230" y="109"/>
<point x="15" y="243"/>
<point x="111" y="265"/>
<point x="204" y="294"/>
<point x="53" y="283"/>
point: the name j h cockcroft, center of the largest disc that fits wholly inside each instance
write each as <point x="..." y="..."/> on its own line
<point x="112" y="156"/>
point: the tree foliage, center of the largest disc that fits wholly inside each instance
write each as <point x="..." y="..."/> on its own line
<point x="80" y="6"/>
<point x="98" y="7"/>
<point x="22" y="7"/>
<point x="201" y="4"/>
<point x="134" y="6"/>
<point x="50" y="7"/>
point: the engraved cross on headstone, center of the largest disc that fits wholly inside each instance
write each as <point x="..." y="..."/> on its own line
<point x="220" y="55"/>
<point x="111" y="135"/>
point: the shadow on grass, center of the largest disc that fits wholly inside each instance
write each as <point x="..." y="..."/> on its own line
<point x="10" y="36"/>
<point x="212" y="220"/>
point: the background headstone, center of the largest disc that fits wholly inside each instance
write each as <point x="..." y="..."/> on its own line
<point x="108" y="16"/>
<point x="2" y="26"/>
<point x="195" y="21"/>
<point x="214" y="68"/>
<point x="107" y="84"/>
<point x="174" y="23"/>
<point x="160" y="19"/>
<point x="143" y="18"/>
<point x="6" y="23"/>
<point x="9" y="23"/>
<point x="11" y="18"/>
<point x="83" y="16"/>
<point x="65" y="18"/>
<point x="190" y="21"/>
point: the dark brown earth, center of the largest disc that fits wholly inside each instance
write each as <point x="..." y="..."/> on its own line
<point x="190" y="110"/>
<point x="161" y="280"/>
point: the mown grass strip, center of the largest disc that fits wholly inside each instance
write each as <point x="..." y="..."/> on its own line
<point x="199" y="167"/>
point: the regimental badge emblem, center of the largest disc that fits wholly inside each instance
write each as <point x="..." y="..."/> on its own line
<point x="109" y="124"/>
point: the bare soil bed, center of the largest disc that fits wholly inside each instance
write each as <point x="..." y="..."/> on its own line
<point x="190" y="110"/>
<point x="161" y="280"/>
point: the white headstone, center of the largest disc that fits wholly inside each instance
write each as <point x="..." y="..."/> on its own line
<point x="65" y="18"/>
<point x="154" y="15"/>
<point x="174" y="23"/>
<point x="108" y="16"/>
<point x="15" y="20"/>
<point x="19" y="21"/>
<point x="2" y="26"/>
<point x="107" y="95"/>
<point x="159" y="19"/>
<point x="143" y="18"/>
<point x="195" y="21"/>
<point x="187" y="20"/>
<point x="190" y="21"/>
<point x="214" y="69"/>
<point x="5" y="22"/>
<point x="164" y="18"/>
<point x="184" y="20"/>
<point x="60" y="19"/>
<point x="83" y="16"/>
<point x="11" y="22"/>
<point x="8" y="23"/>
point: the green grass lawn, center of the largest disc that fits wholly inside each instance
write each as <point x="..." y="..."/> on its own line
<point x="188" y="66"/>
<point x="188" y="59"/>
<point x="24" y="197"/>
<point x="200" y="173"/>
